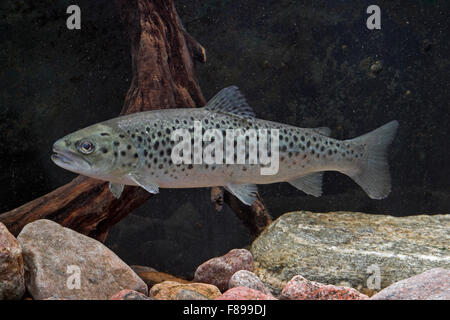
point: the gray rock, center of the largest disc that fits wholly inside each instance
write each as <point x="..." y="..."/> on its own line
<point x="130" y="295"/>
<point x="186" y="294"/>
<point x="12" y="284"/>
<point x="433" y="284"/>
<point x="350" y="247"/>
<point x="54" y="256"/>
<point x="245" y="278"/>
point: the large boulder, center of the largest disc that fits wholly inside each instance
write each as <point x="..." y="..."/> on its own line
<point x="61" y="262"/>
<point x="350" y="248"/>
<point x="12" y="284"/>
<point x="433" y="284"/>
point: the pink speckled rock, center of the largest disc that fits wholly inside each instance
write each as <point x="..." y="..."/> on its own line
<point x="299" y="288"/>
<point x="244" y="293"/>
<point x="12" y="283"/>
<point x="130" y="295"/>
<point x="433" y="284"/>
<point x="218" y="271"/>
<point x="244" y="278"/>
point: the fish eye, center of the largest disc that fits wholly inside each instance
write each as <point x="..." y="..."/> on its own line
<point x="86" y="147"/>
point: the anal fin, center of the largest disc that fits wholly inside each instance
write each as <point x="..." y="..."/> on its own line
<point x="309" y="184"/>
<point x="244" y="192"/>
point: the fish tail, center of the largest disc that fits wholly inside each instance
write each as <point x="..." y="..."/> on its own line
<point x="372" y="172"/>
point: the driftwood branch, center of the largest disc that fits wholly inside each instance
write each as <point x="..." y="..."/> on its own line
<point x="163" y="55"/>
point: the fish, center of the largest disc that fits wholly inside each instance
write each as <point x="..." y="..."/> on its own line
<point x="138" y="150"/>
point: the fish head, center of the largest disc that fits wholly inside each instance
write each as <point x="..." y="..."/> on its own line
<point x="93" y="151"/>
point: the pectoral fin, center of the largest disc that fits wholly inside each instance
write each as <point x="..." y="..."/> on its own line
<point x="309" y="184"/>
<point x="244" y="192"/>
<point x="116" y="189"/>
<point x="144" y="182"/>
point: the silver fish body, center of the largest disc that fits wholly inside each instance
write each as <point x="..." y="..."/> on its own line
<point x="137" y="150"/>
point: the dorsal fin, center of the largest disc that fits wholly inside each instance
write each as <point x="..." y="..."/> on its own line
<point x="230" y="101"/>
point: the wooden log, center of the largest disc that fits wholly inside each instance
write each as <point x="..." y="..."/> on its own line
<point x="163" y="72"/>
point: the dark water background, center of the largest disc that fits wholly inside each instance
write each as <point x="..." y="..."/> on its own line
<point x="305" y="63"/>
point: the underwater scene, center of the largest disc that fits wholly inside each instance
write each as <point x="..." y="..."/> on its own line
<point x="224" y="150"/>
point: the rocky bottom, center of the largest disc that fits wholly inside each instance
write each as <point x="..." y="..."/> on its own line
<point x="300" y="256"/>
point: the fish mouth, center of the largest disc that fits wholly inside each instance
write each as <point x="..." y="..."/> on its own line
<point x="68" y="160"/>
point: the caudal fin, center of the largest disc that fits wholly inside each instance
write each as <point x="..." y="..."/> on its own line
<point x="372" y="173"/>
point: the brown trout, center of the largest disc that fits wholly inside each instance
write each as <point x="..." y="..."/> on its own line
<point x="144" y="149"/>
